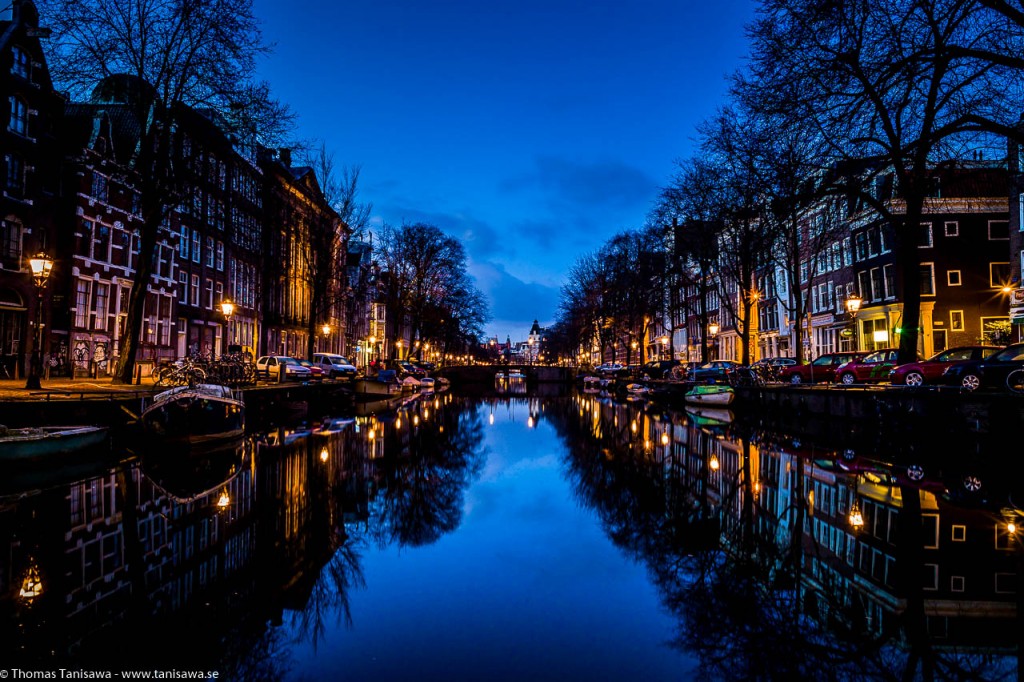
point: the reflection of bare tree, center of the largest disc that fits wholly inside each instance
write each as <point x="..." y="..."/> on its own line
<point x="427" y="478"/>
<point x="330" y="595"/>
<point x="755" y="595"/>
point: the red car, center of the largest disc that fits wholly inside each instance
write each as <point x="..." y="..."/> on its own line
<point x="873" y="367"/>
<point x="823" y="368"/>
<point x="928" y="371"/>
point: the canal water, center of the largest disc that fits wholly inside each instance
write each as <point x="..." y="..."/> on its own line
<point x="508" y="536"/>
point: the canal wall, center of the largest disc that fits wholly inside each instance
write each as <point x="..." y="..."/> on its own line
<point x="264" y="405"/>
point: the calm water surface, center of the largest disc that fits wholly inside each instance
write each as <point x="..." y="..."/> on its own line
<point x="513" y="537"/>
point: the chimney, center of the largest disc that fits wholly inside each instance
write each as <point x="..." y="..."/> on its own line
<point x="285" y="156"/>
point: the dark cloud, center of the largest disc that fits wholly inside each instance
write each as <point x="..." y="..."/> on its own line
<point x="591" y="186"/>
<point x="481" y="239"/>
<point x="514" y="302"/>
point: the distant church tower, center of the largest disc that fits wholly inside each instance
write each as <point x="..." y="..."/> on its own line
<point x="533" y="340"/>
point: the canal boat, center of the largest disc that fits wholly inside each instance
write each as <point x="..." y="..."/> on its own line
<point x="41" y="441"/>
<point x="203" y="413"/>
<point x="710" y="394"/>
<point x="375" y="388"/>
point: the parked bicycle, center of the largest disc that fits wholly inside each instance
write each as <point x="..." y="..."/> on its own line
<point x="184" y="372"/>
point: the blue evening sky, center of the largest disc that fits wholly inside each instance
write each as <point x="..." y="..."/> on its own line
<point x="532" y="131"/>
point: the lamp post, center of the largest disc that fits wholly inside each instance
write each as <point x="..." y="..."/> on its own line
<point x="326" y="329"/>
<point x="398" y="346"/>
<point x="712" y="333"/>
<point x="853" y="303"/>
<point x="41" y="265"/>
<point x="372" y="350"/>
<point x="664" y="345"/>
<point x="228" y="308"/>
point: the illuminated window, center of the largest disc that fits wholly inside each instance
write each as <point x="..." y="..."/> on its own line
<point x="956" y="320"/>
<point x="18" y="123"/>
<point x="953" y="278"/>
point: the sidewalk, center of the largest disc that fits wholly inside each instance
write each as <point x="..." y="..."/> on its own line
<point x="14" y="389"/>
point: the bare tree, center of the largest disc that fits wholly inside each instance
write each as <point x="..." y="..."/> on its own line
<point x="189" y="53"/>
<point x="891" y="88"/>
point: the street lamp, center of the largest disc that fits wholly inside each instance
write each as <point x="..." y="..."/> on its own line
<point x="398" y="345"/>
<point x="664" y="344"/>
<point x="41" y="265"/>
<point x="326" y="329"/>
<point x="228" y="308"/>
<point x="712" y="333"/>
<point x="853" y="303"/>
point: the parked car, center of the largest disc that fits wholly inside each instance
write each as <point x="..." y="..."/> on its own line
<point x="281" y="368"/>
<point x="424" y="365"/>
<point x="987" y="373"/>
<point x="658" y="369"/>
<point x="681" y="372"/>
<point x="928" y="371"/>
<point x="871" y="368"/>
<point x="404" y="368"/>
<point x="335" y="366"/>
<point x="316" y="372"/>
<point x="716" y="370"/>
<point x="609" y="368"/>
<point x="822" y="368"/>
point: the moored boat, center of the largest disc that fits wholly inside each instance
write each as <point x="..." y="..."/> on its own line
<point x="40" y="441"/>
<point x="710" y="394"/>
<point x="202" y="413"/>
<point x="710" y="416"/>
<point x="381" y="386"/>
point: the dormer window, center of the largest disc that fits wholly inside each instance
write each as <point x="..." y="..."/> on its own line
<point x="21" y="64"/>
<point x="18" y="122"/>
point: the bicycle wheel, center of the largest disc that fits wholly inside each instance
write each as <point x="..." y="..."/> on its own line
<point x="1015" y="381"/>
<point x="164" y="376"/>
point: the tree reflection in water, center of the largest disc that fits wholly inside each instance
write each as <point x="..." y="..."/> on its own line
<point x="746" y="537"/>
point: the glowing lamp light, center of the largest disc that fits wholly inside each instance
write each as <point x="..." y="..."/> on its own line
<point x="713" y="463"/>
<point x="224" y="501"/>
<point x="32" y="585"/>
<point x="529" y="422"/>
<point x="713" y="328"/>
<point x="416" y="420"/>
<point x="227" y="307"/>
<point x="324" y="455"/>
<point x="853" y="303"/>
<point x="664" y="439"/>
<point x="326" y="329"/>
<point x="41" y="265"/>
<point x="1011" y="527"/>
<point x="632" y="427"/>
<point x="856" y="518"/>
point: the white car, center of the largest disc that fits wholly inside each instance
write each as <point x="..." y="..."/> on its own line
<point x="334" y="366"/>
<point x="281" y="368"/>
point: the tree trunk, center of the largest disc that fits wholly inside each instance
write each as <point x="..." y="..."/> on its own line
<point x="908" y="262"/>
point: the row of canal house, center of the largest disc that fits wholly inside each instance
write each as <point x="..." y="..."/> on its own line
<point x="240" y="233"/>
<point x="970" y="262"/>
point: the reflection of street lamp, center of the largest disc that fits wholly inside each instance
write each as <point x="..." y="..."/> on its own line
<point x="41" y="265"/>
<point x="398" y="345"/>
<point x="853" y="303"/>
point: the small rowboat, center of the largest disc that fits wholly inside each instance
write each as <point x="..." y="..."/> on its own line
<point x="40" y="441"/>
<point x="711" y="394"/>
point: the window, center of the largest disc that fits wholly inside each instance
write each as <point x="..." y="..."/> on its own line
<point x="924" y="237"/>
<point x="102" y="304"/>
<point x="860" y="242"/>
<point x="209" y="252"/>
<point x="220" y="292"/>
<point x="21" y="64"/>
<point x="196" y="247"/>
<point x="956" y="583"/>
<point x="953" y="278"/>
<point x="183" y="243"/>
<point x="959" y="533"/>
<point x="956" y="320"/>
<point x="83" y="294"/>
<point x="220" y="256"/>
<point x="195" y="290"/>
<point x="10" y="240"/>
<point x="18" y="122"/>
<point x="874" y="241"/>
<point x="930" y="577"/>
<point x="99" y="187"/>
<point x="14" y="175"/>
<point x="927" y="279"/>
<point x="209" y="294"/>
<point x="890" y="280"/>
<point x="877" y="284"/>
<point x="999" y="229"/>
<point x="998" y="275"/>
<point x="864" y="284"/>
<point x="182" y="287"/>
<point x="952" y="228"/>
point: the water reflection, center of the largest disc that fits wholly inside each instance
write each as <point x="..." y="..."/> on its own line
<point x="246" y="559"/>
<point x="750" y="538"/>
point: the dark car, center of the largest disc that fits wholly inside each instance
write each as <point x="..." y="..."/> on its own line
<point x="658" y="369"/>
<point x="930" y="370"/>
<point x="988" y="373"/>
<point x="716" y="370"/>
<point x="871" y="368"/>
<point x="404" y="368"/>
<point x="822" y="368"/>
